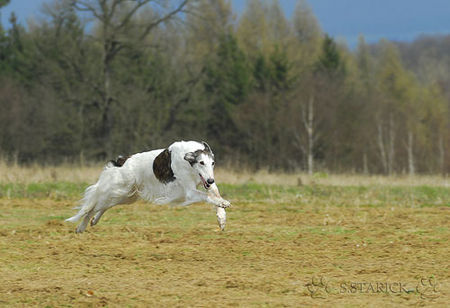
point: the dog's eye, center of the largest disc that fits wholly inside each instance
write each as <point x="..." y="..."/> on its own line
<point x="202" y="163"/>
<point x="213" y="163"/>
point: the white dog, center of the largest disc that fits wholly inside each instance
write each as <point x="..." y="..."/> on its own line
<point x="160" y="176"/>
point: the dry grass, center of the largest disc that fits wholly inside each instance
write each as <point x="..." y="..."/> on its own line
<point x="13" y="173"/>
<point x="143" y="255"/>
<point x="279" y="241"/>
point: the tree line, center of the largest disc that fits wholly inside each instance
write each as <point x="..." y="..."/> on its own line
<point x="91" y="79"/>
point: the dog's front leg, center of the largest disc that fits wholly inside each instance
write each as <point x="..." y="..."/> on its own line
<point x="194" y="196"/>
<point x="214" y="194"/>
<point x="221" y="217"/>
<point x="220" y="210"/>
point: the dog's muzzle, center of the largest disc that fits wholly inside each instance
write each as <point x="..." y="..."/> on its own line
<point x="206" y="183"/>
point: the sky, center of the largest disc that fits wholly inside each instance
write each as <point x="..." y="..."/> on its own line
<point x="399" y="20"/>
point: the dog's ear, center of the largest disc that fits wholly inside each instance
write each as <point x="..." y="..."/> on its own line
<point x="190" y="157"/>
<point x="207" y="148"/>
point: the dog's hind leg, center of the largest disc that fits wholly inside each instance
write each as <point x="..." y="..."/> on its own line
<point x="105" y="203"/>
<point x="128" y="199"/>
<point x="97" y="217"/>
<point x="85" y="222"/>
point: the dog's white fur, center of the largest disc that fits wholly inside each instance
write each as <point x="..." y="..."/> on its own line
<point x="136" y="179"/>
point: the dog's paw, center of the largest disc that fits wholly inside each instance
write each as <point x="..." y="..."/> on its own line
<point x="224" y="203"/>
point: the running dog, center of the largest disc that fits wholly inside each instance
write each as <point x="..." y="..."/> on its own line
<point x="160" y="176"/>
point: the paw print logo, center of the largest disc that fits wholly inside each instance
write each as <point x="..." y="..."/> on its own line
<point x="427" y="288"/>
<point x="318" y="287"/>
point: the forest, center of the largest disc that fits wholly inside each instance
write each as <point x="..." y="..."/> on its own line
<point x="87" y="80"/>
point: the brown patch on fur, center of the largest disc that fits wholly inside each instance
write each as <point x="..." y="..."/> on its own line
<point x="162" y="167"/>
<point x="119" y="161"/>
<point x="191" y="157"/>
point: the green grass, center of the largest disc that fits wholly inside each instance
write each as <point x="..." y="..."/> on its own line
<point x="342" y="196"/>
<point x="374" y="195"/>
<point x="52" y="190"/>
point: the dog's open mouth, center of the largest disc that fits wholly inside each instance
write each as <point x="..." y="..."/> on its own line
<point x="205" y="184"/>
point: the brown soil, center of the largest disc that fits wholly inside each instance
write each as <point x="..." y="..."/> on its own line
<point x="272" y="254"/>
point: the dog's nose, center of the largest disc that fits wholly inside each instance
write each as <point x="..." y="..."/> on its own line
<point x="210" y="181"/>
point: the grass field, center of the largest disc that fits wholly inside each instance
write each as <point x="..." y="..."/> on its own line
<point x="372" y="244"/>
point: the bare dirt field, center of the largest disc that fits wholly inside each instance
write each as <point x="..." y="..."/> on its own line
<point x="284" y="246"/>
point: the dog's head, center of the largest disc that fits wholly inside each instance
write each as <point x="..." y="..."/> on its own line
<point x="202" y="161"/>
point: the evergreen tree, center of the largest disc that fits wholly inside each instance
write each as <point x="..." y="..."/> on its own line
<point x="227" y="85"/>
<point x="330" y="62"/>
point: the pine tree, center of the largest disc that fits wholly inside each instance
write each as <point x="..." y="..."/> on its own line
<point x="330" y="62"/>
<point x="227" y="85"/>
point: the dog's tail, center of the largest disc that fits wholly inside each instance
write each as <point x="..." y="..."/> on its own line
<point x="87" y="203"/>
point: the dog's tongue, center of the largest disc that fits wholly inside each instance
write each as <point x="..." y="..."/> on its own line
<point x="205" y="184"/>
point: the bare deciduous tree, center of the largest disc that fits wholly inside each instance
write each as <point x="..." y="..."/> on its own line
<point x="117" y="29"/>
